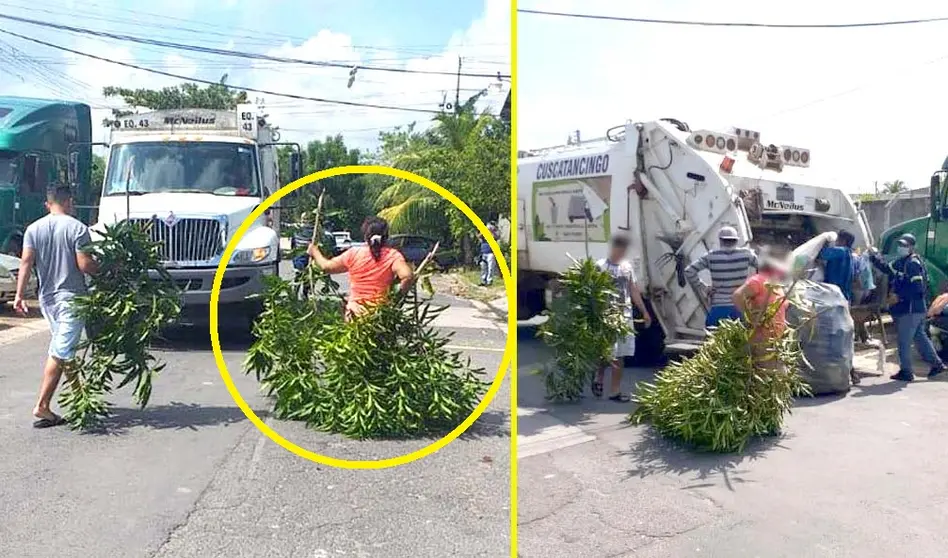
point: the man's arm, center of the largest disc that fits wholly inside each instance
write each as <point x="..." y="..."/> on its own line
<point x="23" y="277"/>
<point x="691" y="272"/>
<point x="334" y="266"/>
<point x="84" y="260"/>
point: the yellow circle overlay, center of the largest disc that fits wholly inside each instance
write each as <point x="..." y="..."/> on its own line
<point x="272" y="434"/>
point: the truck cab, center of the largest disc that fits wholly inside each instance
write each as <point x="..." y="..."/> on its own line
<point x="35" y="153"/>
<point x="190" y="178"/>
<point x="931" y="234"/>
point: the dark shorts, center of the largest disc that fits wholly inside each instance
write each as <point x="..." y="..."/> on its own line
<point x="722" y="312"/>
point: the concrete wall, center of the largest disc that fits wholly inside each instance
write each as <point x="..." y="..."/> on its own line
<point x="910" y="206"/>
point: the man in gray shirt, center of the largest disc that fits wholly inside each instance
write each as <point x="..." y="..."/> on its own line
<point x="729" y="267"/>
<point x="54" y="246"/>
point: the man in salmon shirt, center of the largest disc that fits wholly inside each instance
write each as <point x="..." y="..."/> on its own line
<point x="372" y="268"/>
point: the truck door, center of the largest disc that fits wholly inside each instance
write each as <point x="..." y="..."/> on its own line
<point x="935" y="242"/>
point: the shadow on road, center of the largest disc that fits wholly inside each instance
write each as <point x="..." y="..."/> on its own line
<point x="199" y="339"/>
<point x="652" y="454"/>
<point x="173" y="416"/>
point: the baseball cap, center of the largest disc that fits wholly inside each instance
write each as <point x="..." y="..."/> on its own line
<point x="728" y="233"/>
<point x="907" y="239"/>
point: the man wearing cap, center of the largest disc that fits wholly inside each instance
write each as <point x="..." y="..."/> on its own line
<point x="908" y="281"/>
<point x="729" y="267"/>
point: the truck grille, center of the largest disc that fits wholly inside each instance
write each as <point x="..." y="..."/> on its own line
<point x="189" y="240"/>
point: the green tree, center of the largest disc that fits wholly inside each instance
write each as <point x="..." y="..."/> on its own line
<point x="187" y="95"/>
<point x="349" y="198"/>
<point x="894" y="187"/>
<point x="466" y="152"/>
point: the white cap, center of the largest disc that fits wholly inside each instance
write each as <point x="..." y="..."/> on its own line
<point x="728" y="233"/>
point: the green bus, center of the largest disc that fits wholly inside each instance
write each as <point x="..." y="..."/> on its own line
<point x="42" y="143"/>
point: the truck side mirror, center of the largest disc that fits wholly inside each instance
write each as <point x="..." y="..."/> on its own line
<point x="30" y="171"/>
<point x="296" y="166"/>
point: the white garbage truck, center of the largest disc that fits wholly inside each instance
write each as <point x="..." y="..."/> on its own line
<point x="669" y="189"/>
<point x="190" y="177"/>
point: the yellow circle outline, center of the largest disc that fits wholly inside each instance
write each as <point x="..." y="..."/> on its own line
<point x="222" y="366"/>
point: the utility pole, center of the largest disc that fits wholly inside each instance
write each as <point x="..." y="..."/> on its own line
<point x="457" y="91"/>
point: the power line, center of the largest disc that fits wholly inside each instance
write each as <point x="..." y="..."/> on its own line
<point x="208" y="82"/>
<point x="738" y="24"/>
<point x="234" y="53"/>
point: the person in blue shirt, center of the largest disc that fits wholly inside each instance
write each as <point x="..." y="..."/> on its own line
<point x="839" y="263"/>
<point x="488" y="260"/>
<point x="908" y="281"/>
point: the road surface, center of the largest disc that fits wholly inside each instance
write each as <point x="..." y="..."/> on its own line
<point x="856" y="476"/>
<point x="191" y="477"/>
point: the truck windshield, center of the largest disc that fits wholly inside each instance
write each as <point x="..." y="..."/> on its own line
<point x="219" y="168"/>
<point x="8" y="167"/>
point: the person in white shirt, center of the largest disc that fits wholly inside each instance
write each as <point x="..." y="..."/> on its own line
<point x="628" y="293"/>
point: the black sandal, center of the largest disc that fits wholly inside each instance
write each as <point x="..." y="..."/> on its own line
<point x="620" y="398"/>
<point x="597" y="389"/>
<point x="55" y="420"/>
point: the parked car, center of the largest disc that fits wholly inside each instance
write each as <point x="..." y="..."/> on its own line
<point x="416" y="247"/>
<point x="9" y="269"/>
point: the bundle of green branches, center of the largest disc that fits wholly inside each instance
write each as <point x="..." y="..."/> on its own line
<point x="129" y="301"/>
<point x="385" y="374"/>
<point x="728" y="393"/>
<point x="583" y="327"/>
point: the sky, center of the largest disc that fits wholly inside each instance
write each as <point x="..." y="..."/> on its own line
<point x="410" y="34"/>
<point x="869" y="103"/>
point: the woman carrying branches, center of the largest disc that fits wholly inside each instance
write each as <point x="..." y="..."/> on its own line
<point x="762" y="300"/>
<point x="372" y="268"/>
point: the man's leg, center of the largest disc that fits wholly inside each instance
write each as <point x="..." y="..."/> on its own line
<point x="66" y="331"/>
<point x="905" y="331"/>
<point x="52" y="374"/>
<point x="924" y="345"/>
<point x="491" y="262"/>
<point x="484" y="268"/>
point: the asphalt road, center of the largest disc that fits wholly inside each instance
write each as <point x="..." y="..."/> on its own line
<point x="190" y="477"/>
<point x="855" y="476"/>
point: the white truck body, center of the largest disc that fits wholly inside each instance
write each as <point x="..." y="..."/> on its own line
<point x="669" y="189"/>
<point x="192" y="177"/>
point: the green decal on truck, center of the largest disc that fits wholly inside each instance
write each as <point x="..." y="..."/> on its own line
<point x="574" y="210"/>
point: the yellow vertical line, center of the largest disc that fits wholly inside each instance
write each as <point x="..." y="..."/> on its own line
<point x="512" y="304"/>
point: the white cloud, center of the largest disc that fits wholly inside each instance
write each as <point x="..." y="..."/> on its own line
<point x="483" y="45"/>
<point x="866" y="101"/>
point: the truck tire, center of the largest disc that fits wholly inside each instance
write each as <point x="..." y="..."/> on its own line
<point x="530" y="303"/>
<point x="649" y="343"/>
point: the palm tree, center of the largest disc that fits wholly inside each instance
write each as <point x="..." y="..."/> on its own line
<point x="409" y="207"/>
<point x="893" y="187"/>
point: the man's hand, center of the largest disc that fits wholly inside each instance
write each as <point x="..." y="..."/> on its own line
<point x="647" y="320"/>
<point x="20" y="305"/>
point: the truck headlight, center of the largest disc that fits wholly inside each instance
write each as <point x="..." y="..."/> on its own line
<point x="251" y="256"/>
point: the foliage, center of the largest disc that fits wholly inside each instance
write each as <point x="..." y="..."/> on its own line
<point x="186" y="95"/>
<point x="584" y="324"/>
<point x="894" y="187"/>
<point x="385" y="374"/>
<point x="466" y="152"/>
<point x="733" y="389"/>
<point x="124" y="310"/>
<point x="349" y="198"/>
<point x="98" y="176"/>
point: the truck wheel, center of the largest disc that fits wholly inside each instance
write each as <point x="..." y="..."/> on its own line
<point x="530" y="303"/>
<point x="649" y="343"/>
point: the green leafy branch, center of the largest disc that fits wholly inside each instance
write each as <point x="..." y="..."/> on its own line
<point x="129" y="301"/>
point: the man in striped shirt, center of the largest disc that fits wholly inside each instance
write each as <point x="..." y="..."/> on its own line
<point x="729" y="267"/>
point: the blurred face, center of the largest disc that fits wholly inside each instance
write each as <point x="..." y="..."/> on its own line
<point x="618" y="250"/>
